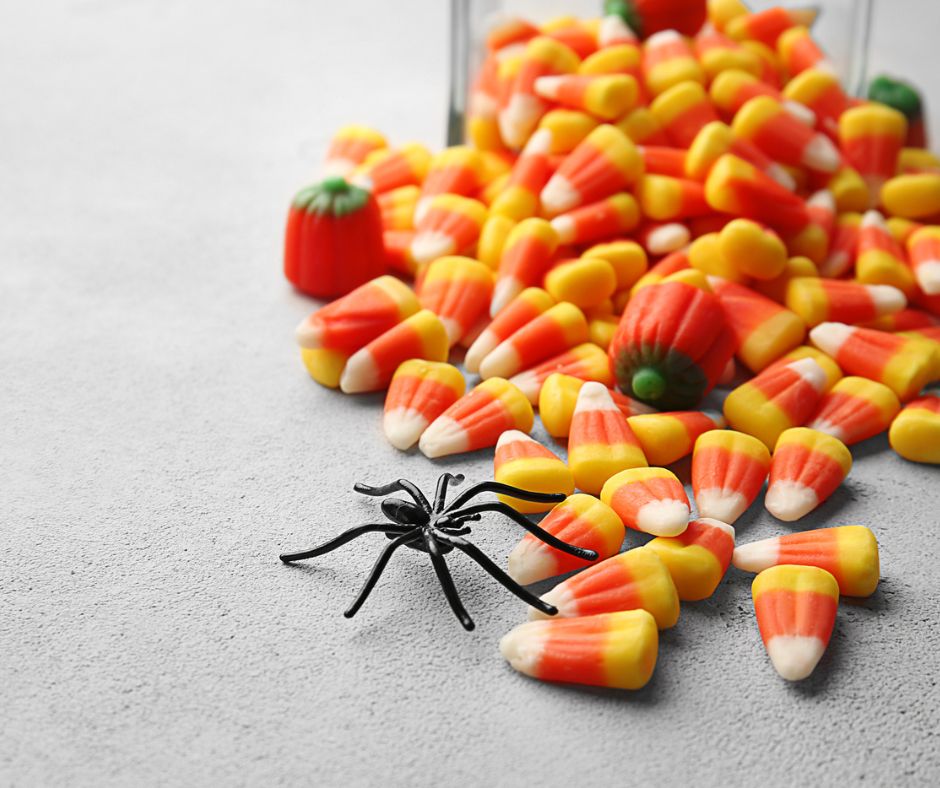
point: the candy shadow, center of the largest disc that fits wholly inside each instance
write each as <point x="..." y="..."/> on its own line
<point x="870" y="447"/>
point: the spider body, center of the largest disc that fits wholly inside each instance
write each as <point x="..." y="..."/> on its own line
<point x="438" y="529"/>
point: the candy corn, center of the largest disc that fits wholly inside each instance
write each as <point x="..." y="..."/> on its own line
<point x="662" y="238"/>
<point x="634" y="580"/>
<point x="585" y="361"/>
<point x="420" y="391"/>
<point x="663" y="198"/>
<point x="733" y="88"/>
<point x="799" y="51"/>
<point x="528" y="305"/>
<point x="752" y="250"/>
<point x="598" y="221"/>
<point x="841" y="256"/>
<point x="856" y="409"/>
<point x="458" y="291"/>
<point x="826" y="364"/>
<point x="849" y="553"/>
<point x="728" y="471"/>
<point x="523" y="462"/>
<point x="698" y="558"/>
<point x="526" y="256"/>
<point x="871" y="137"/>
<point x="879" y="258"/>
<point x="580" y="520"/>
<point x="519" y="198"/>
<point x="650" y="500"/>
<point x="398" y="255"/>
<point x="606" y="96"/>
<point x="492" y="240"/>
<point x="668" y="60"/>
<point x="796" y="611"/>
<point x="904" y="365"/>
<point x="668" y="437"/>
<point x="682" y="111"/>
<point x="450" y="225"/>
<point x="915" y="433"/>
<point x="615" y="650"/>
<point x="717" y="53"/>
<point x="558" y="398"/>
<point x="324" y="366"/>
<point x="477" y="419"/>
<point x="371" y="368"/>
<point x="776" y="400"/>
<point x="349" y="147"/>
<point x="600" y="442"/>
<point x="627" y="258"/>
<point x="820" y="91"/>
<point x="818" y="300"/>
<point x="568" y="128"/>
<point x="398" y="207"/>
<point x="923" y="246"/>
<point x="642" y="127"/>
<point x="386" y="169"/>
<point x="586" y="283"/>
<point x="351" y="322"/>
<point x="457" y="170"/>
<point x="605" y="162"/>
<point x="557" y="329"/>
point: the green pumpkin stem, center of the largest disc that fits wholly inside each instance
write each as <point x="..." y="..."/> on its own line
<point x="648" y="384"/>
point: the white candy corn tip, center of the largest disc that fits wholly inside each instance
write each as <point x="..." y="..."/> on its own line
<point x="835" y="264"/>
<point x="529" y="384"/>
<point x="823" y="199"/>
<point x="779" y="173"/>
<point x="503" y="362"/>
<point x="820" y="154"/>
<point x="360" y="374"/>
<point x="756" y="556"/>
<point x="530" y="562"/>
<point x="829" y="337"/>
<point x="822" y="425"/>
<point x="888" y="299"/>
<point x="428" y="245"/>
<point x="481" y="347"/>
<point x="444" y="436"/>
<point x="504" y="291"/>
<point x="421" y="207"/>
<point x="663" y="38"/>
<point x="874" y="219"/>
<point x="562" y="598"/>
<point x="790" y="500"/>
<point x="801" y="112"/>
<point x="594" y="396"/>
<point x="309" y="334"/>
<point x="559" y="195"/>
<point x="403" y="427"/>
<point x="722" y="504"/>
<point x="548" y="87"/>
<point x="667" y="517"/>
<point x="795" y="657"/>
<point x="564" y="228"/>
<point x="518" y="119"/>
<point x="513" y="436"/>
<point x="539" y="144"/>
<point x="810" y="371"/>
<point x="522" y="647"/>
<point x="613" y="28"/>
<point x="668" y="238"/>
<point x="453" y="329"/>
<point x="928" y="276"/>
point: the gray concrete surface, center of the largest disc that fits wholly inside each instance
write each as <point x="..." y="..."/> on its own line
<point x="160" y="444"/>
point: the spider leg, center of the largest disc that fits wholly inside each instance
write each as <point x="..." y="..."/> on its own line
<point x="505" y="489"/>
<point x="339" y="541"/>
<point x="447" y="582"/>
<point x="532" y="528"/>
<point x="401" y="485"/>
<point x="377" y="569"/>
<point x="498" y="574"/>
<point x="441" y="495"/>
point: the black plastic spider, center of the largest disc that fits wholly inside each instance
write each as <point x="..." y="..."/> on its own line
<point x="437" y="530"/>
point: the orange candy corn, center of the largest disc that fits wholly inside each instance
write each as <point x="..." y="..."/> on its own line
<point x="871" y="137"/>
<point x="663" y="198"/>
<point x="598" y="221"/>
<point x="600" y="442"/>
<point x="398" y="207"/>
<point x="527" y="255"/>
<point x="351" y="322"/>
<point x="818" y="300"/>
<point x="586" y="361"/>
<point x="879" y="258"/>
<point x="525" y="463"/>
<point x="387" y="169"/>
<point x="615" y="650"/>
<point x="764" y="330"/>
<point x="849" y="553"/>
<point x="420" y="391"/>
<point x="519" y="198"/>
<point x="492" y="240"/>
<point x="826" y="364"/>
<point x="659" y="160"/>
<point x="728" y="471"/>
<point x="457" y="170"/>
<point x="558" y="399"/>
<point x="450" y="225"/>
<point x="668" y="60"/>
<point x="557" y="329"/>
<point x="371" y="368"/>
<point x="732" y="89"/>
<point x="698" y="558"/>
<point x="821" y="92"/>
<point x="580" y="520"/>
<point x="682" y="111"/>
<point x="458" y="291"/>
<point x="915" y="433"/>
<point x="349" y="148"/>
<point x="668" y="437"/>
<point x="777" y="399"/>
<point x="904" y="365"/>
<point x="923" y="246"/>
<point x="799" y="52"/>
<point x="796" y="611"/>
<point x="841" y="256"/>
<point x="524" y="308"/>
<point x="716" y="139"/>
<point x="568" y="128"/>
<point x="477" y="419"/>
<point x="606" y="96"/>
<point x="651" y="500"/>
<point x="634" y="580"/>
<point x="642" y="127"/>
<point x="806" y="469"/>
<point x="856" y="409"/>
<point x="767" y="26"/>
<point x="717" y="52"/>
<point x="398" y="255"/>
<point x="605" y="162"/>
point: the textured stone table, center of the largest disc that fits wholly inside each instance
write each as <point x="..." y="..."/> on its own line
<point x="160" y="444"/>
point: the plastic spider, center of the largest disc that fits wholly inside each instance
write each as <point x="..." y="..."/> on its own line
<point x="436" y="530"/>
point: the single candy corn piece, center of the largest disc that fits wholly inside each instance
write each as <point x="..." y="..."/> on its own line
<point x="813" y="240"/>
<point x="776" y="400"/>
<point x="601" y="331"/>
<point x="557" y="329"/>
<point x="662" y="238"/>
<point x="764" y="330"/>
<point x="849" y="553"/>
<point x="598" y="221"/>
<point x="616" y="650"/>
<point x="908" y="319"/>
<point x="904" y="365"/>
<point x="717" y="52"/>
<point x="523" y="462"/>
<point x="826" y="364"/>
<point x="524" y="308"/>
<point x="627" y="258"/>
<point x="324" y="366"/>
<point x="820" y="91"/>
<point x="923" y="246"/>
<point x="586" y="282"/>
<point x="663" y="198"/>
<point x="349" y="148"/>
<point x="580" y="520"/>
<point x="728" y="471"/>
<point x="605" y="162"/>
<point x="398" y="207"/>
<point x="849" y="190"/>
<point x="457" y="170"/>
<point x="600" y="442"/>
<point x="634" y="580"/>
<point x="807" y="467"/>
<point x="880" y="259"/>
<point x="387" y="169"/>
<point x="606" y="96"/>
<point x="856" y="409"/>
<point x="799" y="52"/>
<point x="752" y="249"/>
<point x="682" y="111"/>
<point x="659" y="160"/>
<point x="668" y="60"/>
<point x="698" y="558"/>
<point x="458" y="291"/>
<point x="768" y="25"/>
<point x="732" y="89"/>
<point x="586" y="361"/>
<point x="915" y="433"/>
<point x="568" y="128"/>
<point x="519" y="198"/>
<point x="668" y="437"/>
<point x="871" y="137"/>
<point x="558" y="398"/>
<point x="818" y="300"/>
<point x="371" y="368"/>
<point x="477" y="419"/>
<point x="915" y="160"/>
<point x="843" y="246"/>
<point x="643" y="128"/>
<point x="651" y="500"/>
<point x="510" y="33"/>
<point x="450" y="225"/>
<point x="716" y="139"/>
<point x="351" y="322"/>
<point x="492" y="241"/>
<point x="796" y="611"/>
<point x="420" y="391"/>
<point x="527" y="255"/>
<point x="914" y="196"/>
<point x="705" y="255"/>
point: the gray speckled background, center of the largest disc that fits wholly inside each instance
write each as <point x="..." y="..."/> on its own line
<point x="160" y="443"/>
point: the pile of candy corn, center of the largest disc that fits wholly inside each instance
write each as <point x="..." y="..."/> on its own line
<point x="640" y="215"/>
